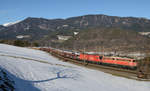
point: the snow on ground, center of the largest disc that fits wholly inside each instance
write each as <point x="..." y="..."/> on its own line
<point x="51" y="74"/>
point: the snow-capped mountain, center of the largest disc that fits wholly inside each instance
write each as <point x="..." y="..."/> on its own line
<point x="11" y="23"/>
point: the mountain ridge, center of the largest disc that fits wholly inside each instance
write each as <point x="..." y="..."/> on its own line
<point x="43" y="27"/>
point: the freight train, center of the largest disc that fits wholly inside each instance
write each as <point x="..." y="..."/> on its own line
<point x="95" y="58"/>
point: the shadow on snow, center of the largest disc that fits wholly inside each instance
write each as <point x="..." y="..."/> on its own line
<point x="26" y="85"/>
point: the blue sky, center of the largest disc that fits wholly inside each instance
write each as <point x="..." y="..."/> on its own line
<point x="13" y="10"/>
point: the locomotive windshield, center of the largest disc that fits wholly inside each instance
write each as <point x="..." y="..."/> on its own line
<point x="100" y="57"/>
<point x="134" y="60"/>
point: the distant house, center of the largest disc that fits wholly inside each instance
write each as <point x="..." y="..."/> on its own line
<point x="144" y="33"/>
<point x="75" y="33"/>
<point x="65" y="25"/>
<point x="61" y="37"/>
<point x="22" y="36"/>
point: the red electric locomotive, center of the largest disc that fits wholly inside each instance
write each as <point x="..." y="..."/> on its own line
<point x="118" y="61"/>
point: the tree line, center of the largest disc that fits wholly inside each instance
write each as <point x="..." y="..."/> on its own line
<point x="21" y="43"/>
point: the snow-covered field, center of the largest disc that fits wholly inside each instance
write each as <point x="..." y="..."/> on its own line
<point x="34" y="70"/>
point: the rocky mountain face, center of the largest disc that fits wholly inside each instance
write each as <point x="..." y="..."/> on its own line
<point x="37" y="28"/>
<point x="1" y="27"/>
<point x="108" y="40"/>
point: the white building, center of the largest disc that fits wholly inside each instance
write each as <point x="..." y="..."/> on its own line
<point x="22" y="36"/>
<point x="75" y="33"/>
<point x="60" y="37"/>
<point x="144" y="33"/>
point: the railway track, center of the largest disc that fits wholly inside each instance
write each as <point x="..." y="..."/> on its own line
<point x="96" y="65"/>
